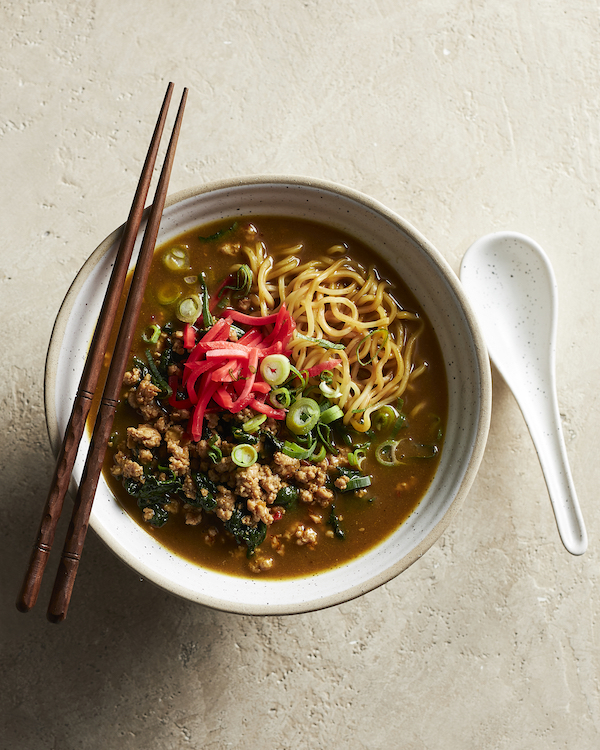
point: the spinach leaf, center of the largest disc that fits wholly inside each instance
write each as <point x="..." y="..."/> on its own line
<point x="154" y="493"/>
<point x="334" y="521"/>
<point x="219" y="234"/>
<point x="206" y="492"/>
<point x="287" y="497"/>
<point x="251" y="536"/>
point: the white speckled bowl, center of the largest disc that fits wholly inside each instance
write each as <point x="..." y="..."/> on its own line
<point x="439" y="292"/>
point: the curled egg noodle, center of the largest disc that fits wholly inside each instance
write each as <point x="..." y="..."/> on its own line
<point x="334" y="298"/>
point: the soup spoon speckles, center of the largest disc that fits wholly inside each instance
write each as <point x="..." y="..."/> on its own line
<point x="511" y="285"/>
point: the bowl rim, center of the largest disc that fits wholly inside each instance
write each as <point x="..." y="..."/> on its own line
<point x="480" y="350"/>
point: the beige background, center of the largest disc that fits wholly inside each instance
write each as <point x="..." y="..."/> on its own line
<point x="464" y="116"/>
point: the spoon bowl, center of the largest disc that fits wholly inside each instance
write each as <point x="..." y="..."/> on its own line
<point x="512" y="288"/>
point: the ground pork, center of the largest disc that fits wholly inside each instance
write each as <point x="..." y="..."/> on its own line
<point x="285" y="466"/>
<point x="179" y="458"/>
<point x="259" y="486"/>
<point x="192" y="516"/>
<point x="145" y="435"/>
<point x="143" y="399"/>
<point x="259" y="562"/>
<point x="305" y="535"/>
<point x="230" y="248"/>
<point x="189" y="489"/>
<point x="132" y="377"/>
<point x="126" y="468"/>
<point x="309" y="478"/>
<point x="225" y="503"/>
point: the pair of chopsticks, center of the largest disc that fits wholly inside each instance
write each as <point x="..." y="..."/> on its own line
<point x="71" y="555"/>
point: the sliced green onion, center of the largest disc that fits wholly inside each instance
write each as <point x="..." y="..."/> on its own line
<point x="385" y="453"/>
<point x="303" y="415"/>
<point x="207" y="318"/>
<point x="191" y="279"/>
<point x="293" y="450"/>
<point x="152" y="334"/>
<point x="188" y="309"/>
<point x="319" y="342"/>
<point x="243" y="281"/>
<point x="168" y="293"/>
<point x="319" y="455"/>
<point x="176" y="258"/>
<point x="357" y="483"/>
<point x="324" y="433"/>
<point x="383" y="417"/>
<point x="355" y="459"/>
<point x="329" y="391"/>
<point x="253" y="424"/>
<point x="302" y="377"/>
<point x="330" y="415"/>
<point x="378" y="348"/>
<point x="214" y="452"/>
<point x="244" y="455"/>
<point x="275" y="369"/>
<point x="280" y="398"/>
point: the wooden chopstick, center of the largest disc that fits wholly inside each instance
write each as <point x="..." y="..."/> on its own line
<point x="89" y="379"/>
<point x="69" y="563"/>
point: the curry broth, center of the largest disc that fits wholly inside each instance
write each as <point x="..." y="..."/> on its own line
<point x="395" y="491"/>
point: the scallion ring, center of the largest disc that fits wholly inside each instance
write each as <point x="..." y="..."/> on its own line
<point x="330" y="415"/>
<point x="385" y="453"/>
<point x="253" y="424"/>
<point x="319" y="455"/>
<point x="357" y="483"/>
<point x="357" y="457"/>
<point x="244" y="455"/>
<point x="329" y="391"/>
<point x="302" y="416"/>
<point x="188" y="309"/>
<point x="168" y="293"/>
<point x="383" y="417"/>
<point x="275" y="369"/>
<point x="302" y="377"/>
<point x="151" y="334"/>
<point x="176" y="258"/>
<point x="280" y="398"/>
<point x="293" y="450"/>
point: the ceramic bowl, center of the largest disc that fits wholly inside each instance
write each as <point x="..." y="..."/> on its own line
<point x="438" y="290"/>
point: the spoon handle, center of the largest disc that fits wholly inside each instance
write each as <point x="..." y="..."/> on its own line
<point x="546" y="431"/>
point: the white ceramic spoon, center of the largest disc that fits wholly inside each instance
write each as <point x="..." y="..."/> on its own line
<point x="510" y="283"/>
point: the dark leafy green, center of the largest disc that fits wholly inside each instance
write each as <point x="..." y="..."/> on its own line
<point x="287" y="497"/>
<point x="206" y="492"/>
<point x="334" y="521"/>
<point x="251" y="536"/>
<point x="220" y="233"/>
<point x="154" y="493"/>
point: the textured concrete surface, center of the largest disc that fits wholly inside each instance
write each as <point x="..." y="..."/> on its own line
<point x="465" y="116"/>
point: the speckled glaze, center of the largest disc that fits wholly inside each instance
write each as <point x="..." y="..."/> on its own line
<point x="511" y="284"/>
<point x="441" y="295"/>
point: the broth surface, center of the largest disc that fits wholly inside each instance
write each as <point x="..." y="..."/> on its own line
<point x="365" y="517"/>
